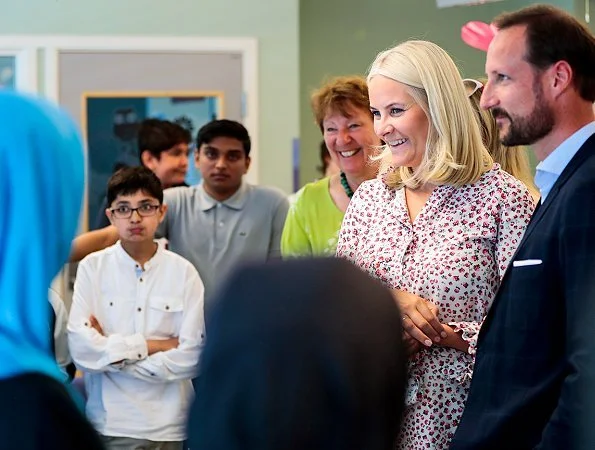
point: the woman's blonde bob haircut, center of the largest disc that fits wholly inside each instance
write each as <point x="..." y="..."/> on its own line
<point x="455" y="154"/>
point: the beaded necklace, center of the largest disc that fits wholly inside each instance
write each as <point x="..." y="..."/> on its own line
<point x="346" y="186"/>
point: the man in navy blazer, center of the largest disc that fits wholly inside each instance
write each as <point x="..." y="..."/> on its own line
<point x="534" y="380"/>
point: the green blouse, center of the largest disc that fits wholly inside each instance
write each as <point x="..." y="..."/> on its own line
<point x="313" y="222"/>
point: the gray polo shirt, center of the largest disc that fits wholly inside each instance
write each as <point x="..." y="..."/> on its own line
<point x="214" y="236"/>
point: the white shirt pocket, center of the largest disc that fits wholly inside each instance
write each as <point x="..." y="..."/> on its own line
<point x="164" y="317"/>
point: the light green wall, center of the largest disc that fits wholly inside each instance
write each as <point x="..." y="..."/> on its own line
<point x="341" y="37"/>
<point x="273" y="22"/>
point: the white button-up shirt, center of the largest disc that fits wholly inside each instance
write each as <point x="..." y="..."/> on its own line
<point x="130" y="393"/>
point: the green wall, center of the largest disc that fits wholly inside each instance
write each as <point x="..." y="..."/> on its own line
<point x="579" y="10"/>
<point x="273" y="22"/>
<point x="341" y="37"/>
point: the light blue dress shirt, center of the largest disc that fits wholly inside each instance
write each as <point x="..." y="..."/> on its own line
<point x="548" y="170"/>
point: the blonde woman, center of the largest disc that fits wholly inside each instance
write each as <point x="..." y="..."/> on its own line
<point x="439" y="228"/>
<point x="513" y="160"/>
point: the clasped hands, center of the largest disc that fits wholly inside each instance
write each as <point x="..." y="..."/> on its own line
<point x="421" y="327"/>
<point x="153" y="345"/>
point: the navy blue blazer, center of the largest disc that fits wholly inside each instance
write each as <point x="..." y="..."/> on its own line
<point x="533" y="384"/>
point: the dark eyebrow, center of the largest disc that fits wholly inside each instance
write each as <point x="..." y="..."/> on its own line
<point x="127" y="203"/>
<point x="237" y="150"/>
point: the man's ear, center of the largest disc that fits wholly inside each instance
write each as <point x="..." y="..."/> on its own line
<point x="108" y="213"/>
<point x="248" y="161"/>
<point x="163" y="210"/>
<point x="561" y="75"/>
<point x="148" y="160"/>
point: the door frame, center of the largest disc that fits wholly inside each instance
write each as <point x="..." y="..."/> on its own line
<point x="25" y="64"/>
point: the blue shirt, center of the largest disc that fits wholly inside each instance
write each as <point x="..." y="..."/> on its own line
<point x="548" y="170"/>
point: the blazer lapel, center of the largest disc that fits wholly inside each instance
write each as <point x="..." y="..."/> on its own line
<point x="584" y="152"/>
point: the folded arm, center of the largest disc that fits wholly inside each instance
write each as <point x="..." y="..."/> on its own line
<point x="179" y="362"/>
<point x="89" y="348"/>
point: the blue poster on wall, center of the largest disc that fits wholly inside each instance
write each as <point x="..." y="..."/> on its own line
<point x="111" y="125"/>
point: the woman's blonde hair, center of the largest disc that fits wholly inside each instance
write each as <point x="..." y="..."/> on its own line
<point x="513" y="160"/>
<point x="455" y="153"/>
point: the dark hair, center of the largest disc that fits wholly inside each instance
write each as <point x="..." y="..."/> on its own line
<point x="553" y="35"/>
<point x="224" y="128"/>
<point x="130" y="180"/>
<point x="337" y="383"/>
<point x="157" y="136"/>
<point x="324" y="158"/>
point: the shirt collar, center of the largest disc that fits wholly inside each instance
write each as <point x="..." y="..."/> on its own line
<point x="236" y="201"/>
<point x="126" y="259"/>
<point x="557" y="161"/>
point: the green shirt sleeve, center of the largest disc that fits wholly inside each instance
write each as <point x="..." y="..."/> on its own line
<point x="294" y="240"/>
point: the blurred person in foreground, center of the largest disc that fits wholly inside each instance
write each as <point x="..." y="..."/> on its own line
<point x="301" y="354"/>
<point x="41" y="187"/>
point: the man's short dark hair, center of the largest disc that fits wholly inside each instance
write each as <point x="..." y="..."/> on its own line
<point x="130" y="180"/>
<point x="157" y="136"/>
<point x="224" y="128"/>
<point x="553" y="35"/>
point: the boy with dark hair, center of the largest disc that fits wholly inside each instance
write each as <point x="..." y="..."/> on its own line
<point x="163" y="148"/>
<point x="137" y="323"/>
<point x="221" y="221"/>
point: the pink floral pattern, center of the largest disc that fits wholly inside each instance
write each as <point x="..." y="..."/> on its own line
<point x="453" y="254"/>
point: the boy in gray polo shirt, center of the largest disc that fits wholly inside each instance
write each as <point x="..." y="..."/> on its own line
<point x="221" y="221"/>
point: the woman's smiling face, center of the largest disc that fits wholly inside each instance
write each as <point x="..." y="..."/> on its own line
<point x="350" y="139"/>
<point x="398" y="121"/>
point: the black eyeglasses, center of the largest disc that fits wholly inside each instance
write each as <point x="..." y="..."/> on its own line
<point x="125" y="212"/>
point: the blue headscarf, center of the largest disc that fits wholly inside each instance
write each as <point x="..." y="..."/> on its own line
<point x="41" y="186"/>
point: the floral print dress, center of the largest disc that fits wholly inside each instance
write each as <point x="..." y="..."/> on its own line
<point x="454" y="254"/>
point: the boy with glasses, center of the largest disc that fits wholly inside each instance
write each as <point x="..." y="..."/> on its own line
<point x="163" y="147"/>
<point x="221" y="222"/>
<point x="136" y="325"/>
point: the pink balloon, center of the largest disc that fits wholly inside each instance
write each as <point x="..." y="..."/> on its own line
<point x="478" y="34"/>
